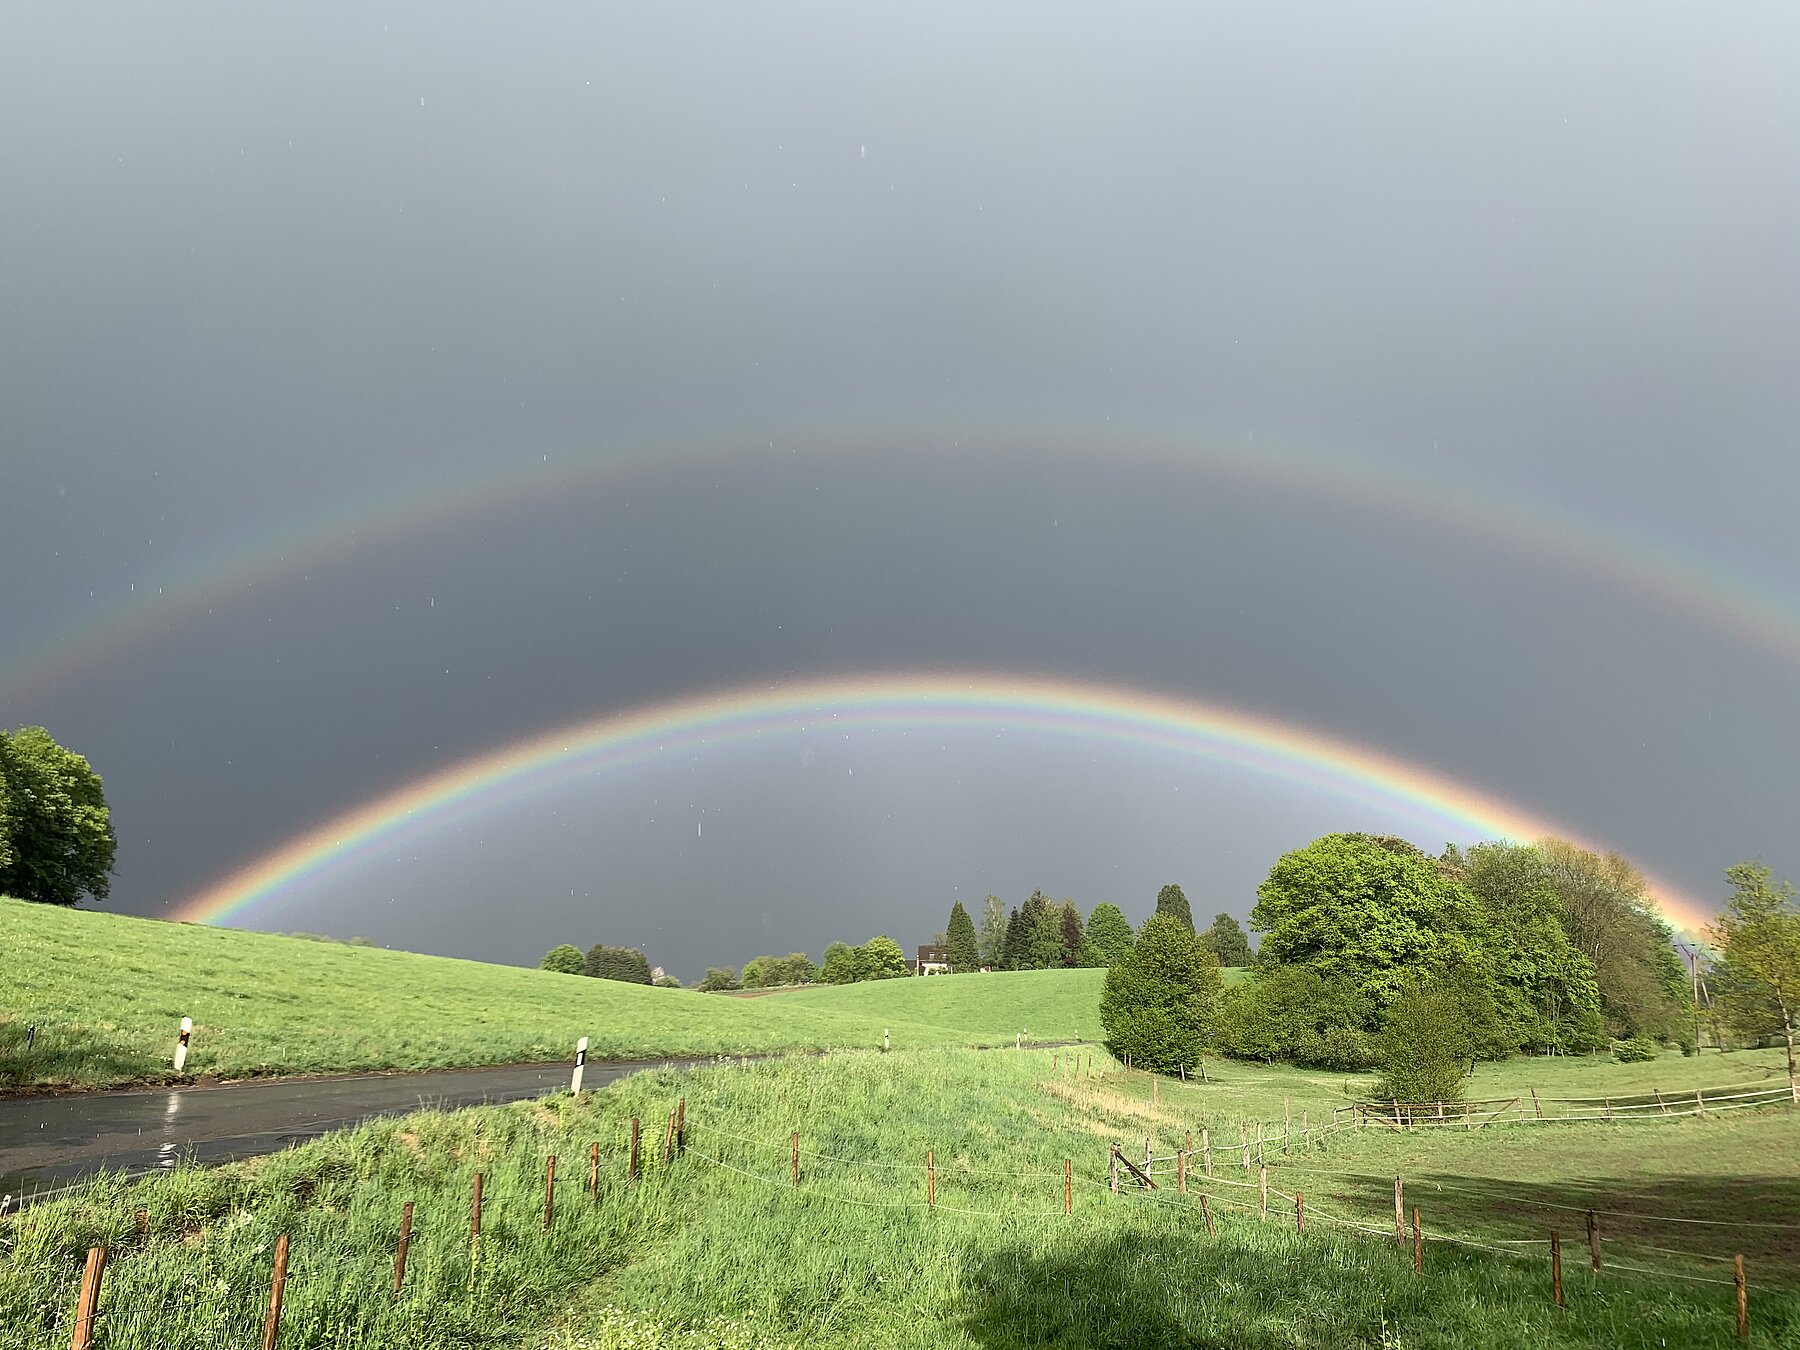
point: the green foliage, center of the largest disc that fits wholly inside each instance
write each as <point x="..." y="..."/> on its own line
<point x="56" y="836"/>
<point x="1294" y="1013"/>
<point x="880" y="958"/>
<point x="993" y="931"/>
<point x="627" y="964"/>
<point x="668" y="982"/>
<point x="564" y="960"/>
<point x="718" y="980"/>
<point x="960" y="939"/>
<point x="1109" y="933"/>
<point x="1637" y="1050"/>
<point x="1758" y="934"/>
<point x="1073" y="935"/>
<point x="1606" y="911"/>
<point x="1371" y="912"/>
<point x="1158" y="1006"/>
<point x="775" y="972"/>
<point x="1427" y="1045"/>
<point x="1171" y="900"/>
<point x="1228" y="941"/>
<point x="1546" y="993"/>
<point x="839" y="966"/>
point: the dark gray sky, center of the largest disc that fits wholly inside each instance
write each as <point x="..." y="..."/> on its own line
<point x="899" y="300"/>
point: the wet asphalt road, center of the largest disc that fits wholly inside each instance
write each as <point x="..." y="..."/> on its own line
<point x="47" y="1142"/>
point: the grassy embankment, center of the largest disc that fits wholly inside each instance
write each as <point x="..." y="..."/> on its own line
<point x="718" y="1248"/>
<point x="106" y="993"/>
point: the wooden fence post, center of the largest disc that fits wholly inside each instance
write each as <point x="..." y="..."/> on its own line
<point x="1113" y="1164"/>
<point x="87" y="1307"/>
<point x="1593" y="1241"/>
<point x="277" y="1289"/>
<point x="1699" y="1102"/>
<point x="1263" y="1186"/>
<point x="1743" y="1302"/>
<point x="594" y="1170"/>
<point x="669" y="1139"/>
<point x="400" y="1248"/>
<point x="1399" y="1212"/>
<point x="474" y="1232"/>
<point x="1661" y="1103"/>
<point x="1068" y="1185"/>
<point x="549" y="1191"/>
<point x="1556" y="1267"/>
<point x="1306" y="1127"/>
<point x="1299" y="1211"/>
<point x="794" y="1163"/>
<point x="930" y="1179"/>
<point x="1206" y="1149"/>
<point x="1536" y="1106"/>
<point x="1418" y="1245"/>
<point x="142" y="1219"/>
<point x="681" y="1124"/>
<point x="631" y="1167"/>
<point x="1206" y="1213"/>
<point x="1181" y="1172"/>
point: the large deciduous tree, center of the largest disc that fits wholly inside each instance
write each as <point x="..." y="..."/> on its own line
<point x="1372" y="912"/>
<point x="1159" y="1004"/>
<point x="1173" y="901"/>
<point x="1109" y="934"/>
<point x="880" y="958"/>
<point x="1758" y="935"/>
<point x="839" y="965"/>
<point x="1229" y="941"/>
<point x="56" y="836"/>
<point x="1608" y="915"/>
<point x="964" y="948"/>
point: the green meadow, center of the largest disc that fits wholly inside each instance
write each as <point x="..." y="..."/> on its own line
<point x="107" y="992"/>
<point x="718" y="1246"/>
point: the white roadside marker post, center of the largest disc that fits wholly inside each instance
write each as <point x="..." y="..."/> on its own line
<point x="884" y="1040"/>
<point x="181" y="1042"/>
<point x="580" y="1064"/>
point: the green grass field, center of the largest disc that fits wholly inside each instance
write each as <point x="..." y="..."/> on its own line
<point x="719" y="1248"/>
<point x="107" y="992"/>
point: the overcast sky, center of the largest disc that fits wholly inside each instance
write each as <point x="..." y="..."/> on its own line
<point x="1153" y="347"/>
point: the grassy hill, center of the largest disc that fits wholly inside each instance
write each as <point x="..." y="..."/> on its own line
<point x="106" y="993"/>
<point x="720" y="1248"/>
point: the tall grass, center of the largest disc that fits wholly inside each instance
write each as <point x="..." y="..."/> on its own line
<point x="719" y="1248"/>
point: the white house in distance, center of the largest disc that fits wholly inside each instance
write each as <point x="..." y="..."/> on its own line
<point x="933" y="961"/>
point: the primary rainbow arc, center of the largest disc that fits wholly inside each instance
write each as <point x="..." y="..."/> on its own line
<point x="1285" y="751"/>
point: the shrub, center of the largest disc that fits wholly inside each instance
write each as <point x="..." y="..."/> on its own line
<point x="1425" y="1046"/>
<point x="618" y="963"/>
<point x="564" y="960"/>
<point x="1636" y="1050"/>
<point x="668" y="982"/>
<point x="718" y="980"/>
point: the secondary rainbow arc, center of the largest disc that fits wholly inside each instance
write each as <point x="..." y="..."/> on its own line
<point x="1286" y="751"/>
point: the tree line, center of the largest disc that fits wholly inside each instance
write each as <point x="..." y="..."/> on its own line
<point x="1376" y="955"/>
<point x="626" y="964"/>
<point x="1042" y="935"/>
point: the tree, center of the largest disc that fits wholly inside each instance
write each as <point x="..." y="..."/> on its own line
<point x="56" y="836"/>
<point x="1229" y="942"/>
<point x="1605" y="908"/>
<point x="1371" y="911"/>
<point x="564" y="960"/>
<point x="839" y="966"/>
<point x="627" y="964"/>
<point x="1172" y="901"/>
<point x="756" y="973"/>
<point x="1012" y="946"/>
<point x="1548" y="998"/>
<point x="1074" y="936"/>
<point x="1041" y="938"/>
<point x="1294" y="1013"/>
<point x="668" y="982"/>
<point x="880" y="958"/>
<point x="993" y="931"/>
<point x="718" y="981"/>
<point x="1159" y="1004"/>
<point x="1758" y="935"/>
<point x="959" y="938"/>
<point x="1109" y="933"/>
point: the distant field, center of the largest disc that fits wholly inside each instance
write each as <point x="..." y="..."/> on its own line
<point x="106" y="993"/>
<point x="719" y="1248"/>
